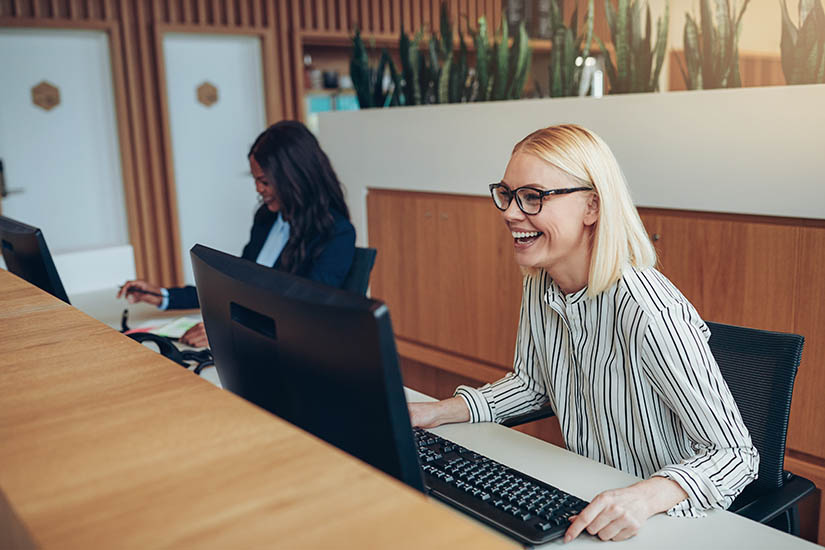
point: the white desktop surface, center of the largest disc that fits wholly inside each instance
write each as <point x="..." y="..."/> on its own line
<point x="586" y="478"/>
<point x="106" y="308"/>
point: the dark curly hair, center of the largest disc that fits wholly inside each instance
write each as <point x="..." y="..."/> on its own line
<point x="307" y="188"/>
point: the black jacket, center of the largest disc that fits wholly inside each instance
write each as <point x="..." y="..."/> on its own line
<point x="331" y="267"/>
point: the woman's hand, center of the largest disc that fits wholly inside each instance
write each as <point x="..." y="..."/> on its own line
<point x="195" y="337"/>
<point x="140" y="291"/>
<point x="620" y="513"/>
<point x="430" y="415"/>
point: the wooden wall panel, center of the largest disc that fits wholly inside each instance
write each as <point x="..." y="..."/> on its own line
<point x="446" y="269"/>
<point x="807" y="429"/>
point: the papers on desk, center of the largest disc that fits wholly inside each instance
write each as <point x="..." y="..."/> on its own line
<point x="174" y="329"/>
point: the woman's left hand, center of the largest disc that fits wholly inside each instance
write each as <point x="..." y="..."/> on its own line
<point x="195" y="337"/>
<point x="620" y="513"/>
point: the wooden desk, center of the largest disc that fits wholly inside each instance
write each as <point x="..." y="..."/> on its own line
<point x="105" y="444"/>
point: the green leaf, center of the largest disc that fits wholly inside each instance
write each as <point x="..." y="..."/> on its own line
<point x="622" y="43"/>
<point x="662" y="27"/>
<point x="502" y="65"/>
<point x="608" y="62"/>
<point x="482" y="58"/>
<point x="693" y="54"/>
<point x="444" y="80"/>
<point x="360" y="71"/>
<point x="446" y="30"/>
<point x="521" y="63"/>
<point x="787" y="45"/>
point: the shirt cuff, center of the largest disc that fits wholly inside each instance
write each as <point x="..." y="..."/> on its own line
<point x="702" y="493"/>
<point x="480" y="410"/>
<point x="164" y="303"/>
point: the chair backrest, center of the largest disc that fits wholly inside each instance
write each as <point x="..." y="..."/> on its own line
<point x="358" y="278"/>
<point x="760" y="367"/>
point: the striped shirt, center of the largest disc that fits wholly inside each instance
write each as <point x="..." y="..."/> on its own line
<point x="633" y="382"/>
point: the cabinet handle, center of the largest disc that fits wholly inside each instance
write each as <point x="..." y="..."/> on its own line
<point x="656" y="237"/>
<point x="428" y="214"/>
<point x="444" y="216"/>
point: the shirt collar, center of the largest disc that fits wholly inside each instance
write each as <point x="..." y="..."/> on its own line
<point x="554" y="295"/>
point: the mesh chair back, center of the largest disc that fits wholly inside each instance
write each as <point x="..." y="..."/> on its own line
<point x="759" y="368"/>
<point x="358" y="278"/>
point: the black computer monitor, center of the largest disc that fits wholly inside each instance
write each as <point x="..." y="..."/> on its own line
<point x="27" y="256"/>
<point x="321" y="358"/>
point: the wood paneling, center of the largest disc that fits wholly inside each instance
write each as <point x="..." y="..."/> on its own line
<point x="724" y="266"/>
<point x="807" y="429"/>
<point x="446" y="270"/>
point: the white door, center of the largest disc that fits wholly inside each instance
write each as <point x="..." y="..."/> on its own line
<point x="62" y="162"/>
<point x="216" y="109"/>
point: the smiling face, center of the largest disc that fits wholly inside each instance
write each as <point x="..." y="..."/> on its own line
<point x="558" y="238"/>
<point x="266" y="191"/>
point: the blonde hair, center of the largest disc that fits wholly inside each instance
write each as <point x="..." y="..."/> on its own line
<point x="619" y="238"/>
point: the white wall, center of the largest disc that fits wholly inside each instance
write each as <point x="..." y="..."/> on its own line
<point x="66" y="160"/>
<point x="752" y="151"/>
<point x="215" y="191"/>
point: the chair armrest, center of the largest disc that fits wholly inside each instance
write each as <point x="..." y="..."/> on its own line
<point x="544" y="412"/>
<point x="769" y="505"/>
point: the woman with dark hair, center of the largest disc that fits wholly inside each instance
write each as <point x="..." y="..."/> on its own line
<point x="302" y="227"/>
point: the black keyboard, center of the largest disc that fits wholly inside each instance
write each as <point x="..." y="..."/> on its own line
<point x="521" y="506"/>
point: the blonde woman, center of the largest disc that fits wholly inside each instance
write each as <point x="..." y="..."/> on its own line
<point x="617" y="351"/>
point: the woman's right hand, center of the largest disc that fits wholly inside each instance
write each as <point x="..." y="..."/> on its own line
<point x="140" y="291"/>
<point x="430" y="415"/>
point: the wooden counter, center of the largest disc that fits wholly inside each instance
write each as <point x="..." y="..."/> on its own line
<point x="106" y="444"/>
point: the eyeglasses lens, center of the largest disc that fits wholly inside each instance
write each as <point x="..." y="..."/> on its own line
<point x="502" y="197"/>
<point x="529" y="200"/>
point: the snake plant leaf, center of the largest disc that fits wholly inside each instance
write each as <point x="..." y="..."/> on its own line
<point x="787" y="45"/>
<point x="805" y="7"/>
<point x="483" y="59"/>
<point x="724" y="36"/>
<point x="462" y="67"/>
<point x="622" y="43"/>
<point x="707" y="37"/>
<point x="360" y="71"/>
<point x="521" y="58"/>
<point x="446" y="31"/>
<point x="502" y="65"/>
<point x="693" y="54"/>
<point x="378" y="94"/>
<point x="610" y="11"/>
<point x="397" y="98"/>
<point x="662" y="27"/>
<point x="444" y="80"/>
<point x="407" y="52"/>
<point x="608" y="63"/>
<point x="588" y="40"/>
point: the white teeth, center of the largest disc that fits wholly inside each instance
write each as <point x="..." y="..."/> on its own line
<point x="520" y="235"/>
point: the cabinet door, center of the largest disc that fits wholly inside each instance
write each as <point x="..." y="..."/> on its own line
<point x="735" y="272"/>
<point x="445" y="267"/>
<point x="806" y="432"/>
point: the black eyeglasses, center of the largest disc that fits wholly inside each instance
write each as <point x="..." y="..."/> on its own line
<point x="529" y="199"/>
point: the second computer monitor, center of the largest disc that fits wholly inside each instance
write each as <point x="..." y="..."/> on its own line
<point x="321" y="358"/>
<point x="27" y="256"/>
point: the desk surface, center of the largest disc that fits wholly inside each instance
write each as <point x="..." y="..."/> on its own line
<point x="107" y="444"/>
<point x="586" y="478"/>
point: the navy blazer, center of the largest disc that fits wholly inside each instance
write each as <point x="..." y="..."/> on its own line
<point x="330" y="268"/>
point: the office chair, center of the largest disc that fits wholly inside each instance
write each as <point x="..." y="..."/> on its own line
<point x="358" y="278"/>
<point x="759" y="367"/>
